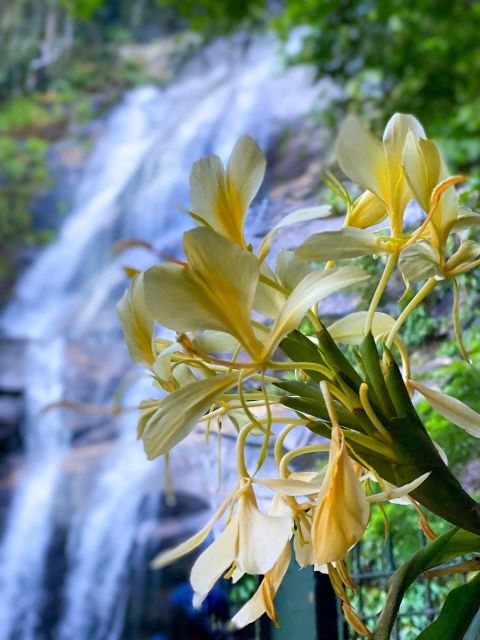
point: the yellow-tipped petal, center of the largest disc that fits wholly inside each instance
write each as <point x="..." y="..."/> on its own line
<point x="450" y="408"/>
<point x="214" y="561"/>
<point x="215" y="291"/>
<point x="361" y="157"/>
<point x="342" y="513"/>
<point x="137" y="323"/>
<point x="262" y="600"/>
<point x="147" y="409"/>
<point x="398" y="128"/>
<point x="423" y="164"/>
<point x="351" y="329"/>
<point x="245" y="173"/>
<point x="179" y="412"/>
<point x="226" y="276"/>
<point x="221" y="199"/>
<point x="262" y="537"/>
<point x="396" y="132"/>
<point x="367" y="211"/>
<point x="314" y="287"/>
<point x="348" y="242"/>
<point x="164" y="558"/>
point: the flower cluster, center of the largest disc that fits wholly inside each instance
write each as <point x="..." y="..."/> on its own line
<point x="240" y="351"/>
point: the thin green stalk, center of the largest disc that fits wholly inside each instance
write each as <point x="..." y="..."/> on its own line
<point x="382" y="285"/>
<point x="429" y="285"/>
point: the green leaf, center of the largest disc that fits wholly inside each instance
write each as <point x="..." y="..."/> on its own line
<point x="457" y="613"/>
<point x="300" y="349"/>
<point x="452" y="543"/>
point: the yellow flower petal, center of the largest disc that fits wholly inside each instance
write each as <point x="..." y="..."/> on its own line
<point x="215" y="291"/>
<point x="450" y="408"/>
<point x="221" y="199"/>
<point x="367" y="211"/>
<point x="262" y="600"/>
<point x="423" y="165"/>
<point x="361" y="157"/>
<point x="314" y="287"/>
<point x="137" y="323"/>
<point x="342" y="513"/>
<point x="179" y="412"/>
<point x="262" y="537"/>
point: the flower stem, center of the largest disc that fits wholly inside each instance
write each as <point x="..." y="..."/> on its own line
<point x="429" y="285"/>
<point x="387" y="272"/>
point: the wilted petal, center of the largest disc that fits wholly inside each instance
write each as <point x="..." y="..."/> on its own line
<point x="214" y="561"/>
<point x="342" y="513"/>
<point x="351" y="328"/>
<point x="262" y="600"/>
<point x="314" y="287"/>
<point x="262" y="537"/>
<point x="348" y="242"/>
<point x="179" y="412"/>
<point x="450" y="408"/>
<point x="137" y="323"/>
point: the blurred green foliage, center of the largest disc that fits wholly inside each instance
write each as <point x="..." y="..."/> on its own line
<point x="23" y="173"/>
<point x="415" y="56"/>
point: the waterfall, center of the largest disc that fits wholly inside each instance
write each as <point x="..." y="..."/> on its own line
<point x="84" y="478"/>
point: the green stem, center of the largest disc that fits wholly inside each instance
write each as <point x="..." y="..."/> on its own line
<point x="429" y="285"/>
<point x="387" y="272"/>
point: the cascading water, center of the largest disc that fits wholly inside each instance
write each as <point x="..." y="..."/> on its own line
<point x="86" y="479"/>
